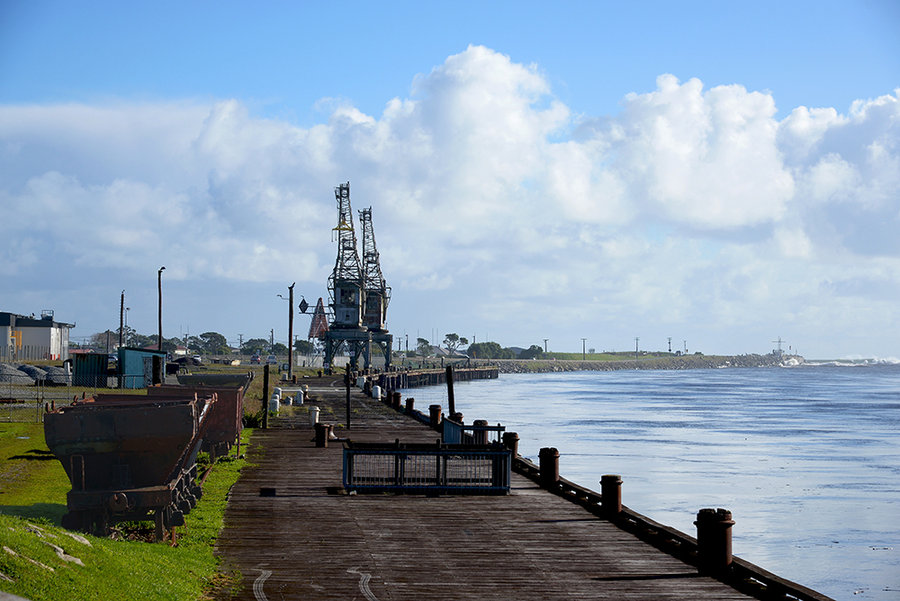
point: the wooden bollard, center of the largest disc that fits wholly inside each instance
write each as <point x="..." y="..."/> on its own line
<point x="611" y="494"/>
<point x="511" y="442"/>
<point x="549" y="466"/>
<point x="457" y="417"/>
<point x="410" y="405"/>
<point x="322" y="431"/>
<point x="714" y="540"/>
<point x="395" y="399"/>
<point x="434" y="416"/>
<point x="480" y="436"/>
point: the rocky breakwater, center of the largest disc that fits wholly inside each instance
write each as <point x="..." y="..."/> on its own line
<point x="511" y="366"/>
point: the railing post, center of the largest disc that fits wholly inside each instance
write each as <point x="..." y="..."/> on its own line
<point x="714" y="540"/>
<point x="611" y="494"/>
<point x="549" y="466"/>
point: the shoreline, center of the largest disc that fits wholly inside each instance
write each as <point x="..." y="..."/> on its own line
<point x="515" y="366"/>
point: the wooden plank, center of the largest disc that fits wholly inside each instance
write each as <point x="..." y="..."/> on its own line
<point x="309" y="543"/>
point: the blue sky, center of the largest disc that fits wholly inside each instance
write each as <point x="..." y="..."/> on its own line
<point x="720" y="173"/>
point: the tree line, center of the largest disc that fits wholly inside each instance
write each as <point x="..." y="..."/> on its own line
<point x="478" y="350"/>
<point x="207" y="343"/>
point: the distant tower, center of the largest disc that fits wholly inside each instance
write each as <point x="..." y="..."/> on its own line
<point x="670" y="344"/>
<point x="377" y="292"/>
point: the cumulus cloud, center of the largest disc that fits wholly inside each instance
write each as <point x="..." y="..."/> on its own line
<point x="690" y="204"/>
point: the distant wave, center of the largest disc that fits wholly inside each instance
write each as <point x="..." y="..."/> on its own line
<point x="855" y="362"/>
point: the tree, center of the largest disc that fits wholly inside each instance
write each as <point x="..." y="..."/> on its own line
<point x="214" y="343"/>
<point x="194" y="344"/>
<point x="423" y="347"/>
<point x="489" y="350"/>
<point x="532" y="352"/>
<point x="279" y="349"/>
<point x="453" y="342"/>
<point x="255" y="346"/>
<point x="99" y="341"/>
<point x="132" y="339"/>
<point x="304" y="347"/>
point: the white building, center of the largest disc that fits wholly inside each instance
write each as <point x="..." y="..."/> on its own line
<point x="31" y="338"/>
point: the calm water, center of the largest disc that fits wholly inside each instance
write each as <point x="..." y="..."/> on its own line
<point x="807" y="459"/>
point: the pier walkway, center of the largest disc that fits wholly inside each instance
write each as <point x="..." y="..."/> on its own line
<point x="313" y="541"/>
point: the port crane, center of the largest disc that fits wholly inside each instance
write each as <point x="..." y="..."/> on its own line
<point x="358" y="293"/>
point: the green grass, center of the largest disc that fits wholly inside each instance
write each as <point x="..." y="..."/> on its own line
<point x="32" y="500"/>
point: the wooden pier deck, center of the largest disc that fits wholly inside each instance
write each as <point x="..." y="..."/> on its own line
<point x="311" y="541"/>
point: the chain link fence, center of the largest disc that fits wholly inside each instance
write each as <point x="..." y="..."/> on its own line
<point x="27" y="392"/>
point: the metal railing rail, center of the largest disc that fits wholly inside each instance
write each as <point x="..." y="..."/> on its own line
<point x="424" y="468"/>
<point x="454" y="432"/>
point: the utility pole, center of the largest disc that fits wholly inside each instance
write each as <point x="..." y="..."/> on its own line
<point x="636" y="340"/>
<point x="121" y="317"/>
<point x="583" y="356"/>
<point x="159" y="285"/>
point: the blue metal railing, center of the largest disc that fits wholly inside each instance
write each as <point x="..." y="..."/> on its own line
<point x="458" y="469"/>
<point x="457" y="433"/>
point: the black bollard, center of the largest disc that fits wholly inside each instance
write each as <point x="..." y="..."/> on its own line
<point x="322" y="431"/>
<point x="480" y="436"/>
<point x="611" y="494"/>
<point x="511" y="442"/>
<point x="434" y="414"/>
<point x="714" y="540"/>
<point x="549" y="465"/>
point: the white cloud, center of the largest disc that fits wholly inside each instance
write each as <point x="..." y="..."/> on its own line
<point x="691" y="206"/>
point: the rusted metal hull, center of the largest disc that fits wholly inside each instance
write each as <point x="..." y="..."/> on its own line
<point x="223" y="427"/>
<point x="129" y="458"/>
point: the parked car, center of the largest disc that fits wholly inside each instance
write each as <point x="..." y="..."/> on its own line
<point x="198" y="359"/>
<point x="271" y="360"/>
<point x="255" y="359"/>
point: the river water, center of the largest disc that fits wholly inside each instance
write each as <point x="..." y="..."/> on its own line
<point x="807" y="459"/>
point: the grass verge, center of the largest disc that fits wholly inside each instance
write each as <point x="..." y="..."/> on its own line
<point x="38" y="557"/>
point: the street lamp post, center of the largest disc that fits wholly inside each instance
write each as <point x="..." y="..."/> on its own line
<point x="290" y="300"/>
<point x="159" y="286"/>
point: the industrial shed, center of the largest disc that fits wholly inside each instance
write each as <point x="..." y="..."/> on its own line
<point x="29" y="338"/>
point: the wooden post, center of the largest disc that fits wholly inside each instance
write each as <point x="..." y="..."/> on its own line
<point x="265" y="397"/>
<point x="451" y="403"/>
